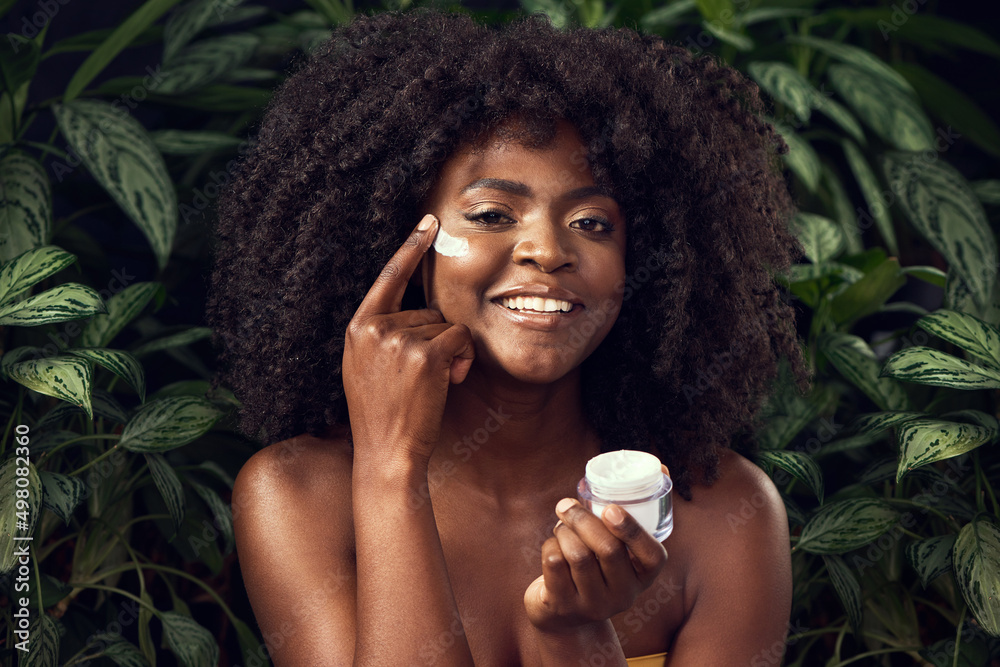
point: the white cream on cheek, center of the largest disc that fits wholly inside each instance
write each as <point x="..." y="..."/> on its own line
<point x="451" y="246"/>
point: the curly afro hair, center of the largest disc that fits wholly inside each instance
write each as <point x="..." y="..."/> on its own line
<point x="353" y="140"/>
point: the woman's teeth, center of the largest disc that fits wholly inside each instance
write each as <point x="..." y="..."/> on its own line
<point x="537" y="304"/>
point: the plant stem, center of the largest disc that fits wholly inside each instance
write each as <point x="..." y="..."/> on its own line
<point x="99" y="458"/>
<point x="73" y="441"/>
<point x="958" y="635"/>
<point x="903" y="649"/>
<point x="112" y="589"/>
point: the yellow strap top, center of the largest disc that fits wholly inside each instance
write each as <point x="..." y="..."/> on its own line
<point x="658" y="660"/>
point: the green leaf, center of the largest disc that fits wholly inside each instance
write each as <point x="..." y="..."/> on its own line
<point x="867" y="295"/>
<point x="180" y="142"/>
<point x="801" y="158"/>
<point x="724" y="34"/>
<point x="805" y="272"/>
<point x="206" y="61"/>
<point x="121" y="652"/>
<point x="168" y="423"/>
<point x="872" y="192"/>
<point x="822" y="101"/>
<point x="178" y="339"/>
<point x="931" y="557"/>
<point x="69" y="301"/>
<point x="977" y="568"/>
<point x="925" y="365"/>
<point x="193" y="645"/>
<point x="929" y="274"/>
<point x="799" y="465"/>
<point x="876" y="422"/>
<point x="221" y="512"/>
<point x="189" y="20"/>
<point x="666" y="15"/>
<point x="11" y="525"/>
<point x="941" y="205"/>
<point x="923" y="441"/>
<point x="855" y="56"/>
<point x="31" y="268"/>
<point x="837" y="202"/>
<point x="987" y="191"/>
<point x="820" y="237"/>
<point x="715" y="10"/>
<point x="958" y="296"/>
<point x="784" y="83"/>
<point x="19" y="59"/>
<point x="43" y="643"/>
<point x="893" y="114"/>
<point x="847" y="587"/>
<point x="25" y="205"/>
<point x="846" y="525"/>
<point x="116" y="42"/>
<point x="122" y="364"/>
<point x="62" y="493"/>
<point x="67" y="378"/>
<point x="122" y="308"/>
<point x="120" y="155"/>
<point x="967" y="332"/>
<point x="857" y="362"/>
<point x="169" y="485"/>
<point x="954" y="108"/>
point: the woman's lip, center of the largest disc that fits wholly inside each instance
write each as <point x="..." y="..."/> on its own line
<point x="541" y="321"/>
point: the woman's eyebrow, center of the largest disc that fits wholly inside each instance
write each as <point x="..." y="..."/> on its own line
<point x="518" y="188"/>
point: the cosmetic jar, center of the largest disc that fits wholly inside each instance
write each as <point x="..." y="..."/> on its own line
<point x="635" y="482"/>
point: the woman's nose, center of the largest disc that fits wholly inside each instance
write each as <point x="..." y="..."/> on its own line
<point x="545" y="244"/>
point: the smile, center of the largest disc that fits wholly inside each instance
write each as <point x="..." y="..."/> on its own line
<point x="539" y="320"/>
<point x="534" y="304"/>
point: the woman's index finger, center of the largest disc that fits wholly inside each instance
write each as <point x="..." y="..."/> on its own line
<point x="386" y="293"/>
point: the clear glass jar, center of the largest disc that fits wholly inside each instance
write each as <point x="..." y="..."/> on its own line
<point x="634" y="481"/>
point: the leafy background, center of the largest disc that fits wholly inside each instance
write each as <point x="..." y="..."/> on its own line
<point x="117" y="127"/>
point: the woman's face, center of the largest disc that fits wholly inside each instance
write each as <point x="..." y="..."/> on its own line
<point x="540" y="283"/>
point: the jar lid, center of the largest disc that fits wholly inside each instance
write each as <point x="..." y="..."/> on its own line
<point x="624" y="470"/>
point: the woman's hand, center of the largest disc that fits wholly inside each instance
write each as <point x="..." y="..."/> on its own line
<point x="398" y="365"/>
<point x="592" y="569"/>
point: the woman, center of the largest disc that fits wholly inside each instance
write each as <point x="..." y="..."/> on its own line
<point x="604" y="230"/>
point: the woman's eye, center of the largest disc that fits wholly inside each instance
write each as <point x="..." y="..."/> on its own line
<point x="593" y="225"/>
<point x="488" y="218"/>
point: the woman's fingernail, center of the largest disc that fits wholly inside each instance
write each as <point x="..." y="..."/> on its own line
<point x="426" y="222"/>
<point x="615" y="514"/>
<point x="564" y="505"/>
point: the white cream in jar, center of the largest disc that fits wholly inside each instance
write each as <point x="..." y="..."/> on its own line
<point x="634" y="481"/>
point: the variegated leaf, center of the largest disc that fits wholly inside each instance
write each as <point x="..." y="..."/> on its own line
<point x="876" y="422"/>
<point x="959" y="297"/>
<point x="871" y="190"/>
<point x="801" y="157"/>
<point x="923" y="441"/>
<point x="25" y="205"/>
<point x="11" y="525"/>
<point x="799" y="465"/>
<point x="966" y="331"/>
<point x="69" y="301"/>
<point x="203" y="62"/>
<point x="169" y="486"/>
<point x="857" y="362"/>
<point x="30" y="268"/>
<point x="784" y="83"/>
<point x="976" y="559"/>
<point x="168" y="423"/>
<point x="845" y="525"/>
<point x="121" y="652"/>
<point x="839" y="205"/>
<point x="857" y="57"/>
<point x="925" y="365"/>
<point x="839" y="114"/>
<point x="65" y="377"/>
<point x="929" y="274"/>
<point x="941" y="205"/>
<point x="189" y="20"/>
<point x="122" y="308"/>
<point x="120" y="155"/>
<point x="820" y="237"/>
<point x="221" y="512"/>
<point x="182" y="142"/>
<point x="43" y="643"/>
<point x="979" y="417"/>
<point x="879" y="471"/>
<point x="847" y="587"/>
<point x="122" y="364"/>
<point x="185" y="337"/>
<point x="893" y="114"/>
<point x="62" y="493"/>
<point x="931" y="557"/>
<point x="193" y="645"/>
